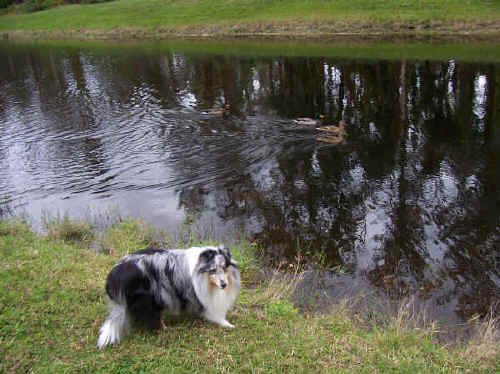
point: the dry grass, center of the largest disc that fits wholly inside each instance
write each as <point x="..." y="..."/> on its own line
<point x="484" y="345"/>
<point x="281" y="284"/>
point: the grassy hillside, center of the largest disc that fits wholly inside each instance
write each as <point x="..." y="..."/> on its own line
<point x="51" y="307"/>
<point x="231" y="17"/>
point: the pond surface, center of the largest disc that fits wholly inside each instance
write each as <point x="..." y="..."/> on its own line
<point x="408" y="203"/>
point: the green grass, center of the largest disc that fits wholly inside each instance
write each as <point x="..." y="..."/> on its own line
<point x="304" y="16"/>
<point x="51" y="307"/>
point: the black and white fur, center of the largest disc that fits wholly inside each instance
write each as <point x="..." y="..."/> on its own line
<point x="202" y="281"/>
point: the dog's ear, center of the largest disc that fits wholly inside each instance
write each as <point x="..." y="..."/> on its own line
<point x="227" y="256"/>
<point x="205" y="258"/>
<point x="208" y="254"/>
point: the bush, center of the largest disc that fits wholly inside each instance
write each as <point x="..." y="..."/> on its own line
<point x="52" y="3"/>
<point x="6" y="3"/>
<point x="33" y="6"/>
<point x="29" y="6"/>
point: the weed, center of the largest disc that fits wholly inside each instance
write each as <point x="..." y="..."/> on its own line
<point x="6" y="209"/>
<point x="14" y="227"/>
<point x="63" y="228"/>
<point x="129" y="235"/>
<point x="282" y="308"/>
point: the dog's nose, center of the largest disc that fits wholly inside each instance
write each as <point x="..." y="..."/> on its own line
<point x="223" y="284"/>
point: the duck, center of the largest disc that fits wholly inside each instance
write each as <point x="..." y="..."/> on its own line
<point x="218" y="111"/>
<point x="338" y="130"/>
<point x="331" y="139"/>
<point x="318" y="118"/>
<point x="334" y="134"/>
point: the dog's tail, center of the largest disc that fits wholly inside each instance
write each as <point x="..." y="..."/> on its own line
<point x="117" y="323"/>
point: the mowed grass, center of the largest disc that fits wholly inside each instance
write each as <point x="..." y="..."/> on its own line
<point x="51" y="308"/>
<point x="178" y="14"/>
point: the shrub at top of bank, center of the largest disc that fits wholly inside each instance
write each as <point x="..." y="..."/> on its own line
<point x="6" y="3"/>
<point x="29" y="6"/>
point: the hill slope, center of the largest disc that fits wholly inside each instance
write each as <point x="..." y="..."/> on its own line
<point x="157" y="18"/>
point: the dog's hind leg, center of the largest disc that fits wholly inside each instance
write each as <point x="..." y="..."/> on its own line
<point x="114" y="326"/>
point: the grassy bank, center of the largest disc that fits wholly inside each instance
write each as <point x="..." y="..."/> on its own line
<point x="51" y="307"/>
<point x="160" y="18"/>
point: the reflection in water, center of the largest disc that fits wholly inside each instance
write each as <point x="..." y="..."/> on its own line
<point x="410" y="202"/>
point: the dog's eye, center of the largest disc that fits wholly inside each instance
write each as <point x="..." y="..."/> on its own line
<point x="213" y="271"/>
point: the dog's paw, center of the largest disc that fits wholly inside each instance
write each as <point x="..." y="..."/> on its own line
<point x="227" y="324"/>
<point x="219" y="321"/>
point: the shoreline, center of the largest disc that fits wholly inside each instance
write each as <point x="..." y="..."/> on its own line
<point x="439" y="32"/>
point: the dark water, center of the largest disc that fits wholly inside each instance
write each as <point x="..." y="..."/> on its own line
<point x="409" y="204"/>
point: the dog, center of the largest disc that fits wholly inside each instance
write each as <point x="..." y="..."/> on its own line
<point x="142" y="286"/>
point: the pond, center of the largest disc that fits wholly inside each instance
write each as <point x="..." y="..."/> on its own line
<point x="407" y="203"/>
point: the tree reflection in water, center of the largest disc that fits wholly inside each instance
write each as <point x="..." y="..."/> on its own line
<point x="409" y="202"/>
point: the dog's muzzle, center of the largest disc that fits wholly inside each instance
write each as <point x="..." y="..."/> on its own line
<point x="219" y="279"/>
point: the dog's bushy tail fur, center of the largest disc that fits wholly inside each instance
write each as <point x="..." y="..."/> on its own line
<point x="117" y="323"/>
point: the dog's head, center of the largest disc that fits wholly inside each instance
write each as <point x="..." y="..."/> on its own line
<point x="217" y="263"/>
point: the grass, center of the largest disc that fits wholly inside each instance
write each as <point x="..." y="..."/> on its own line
<point x="63" y="228"/>
<point x="264" y="17"/>
<point x="51" y="307"/>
